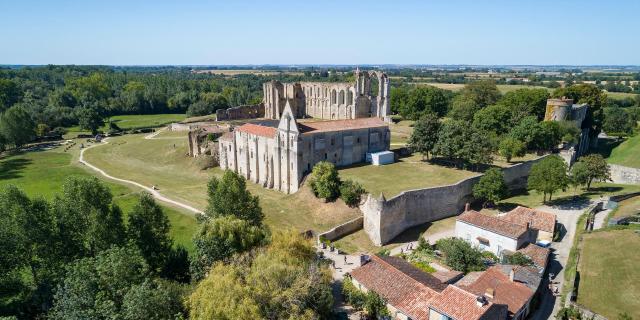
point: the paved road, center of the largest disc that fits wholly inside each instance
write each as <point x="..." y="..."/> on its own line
<point x="567" y="216"/>
<point x="153" y="192"/>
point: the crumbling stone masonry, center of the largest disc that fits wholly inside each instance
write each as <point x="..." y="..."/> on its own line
<point x="203" y="139"/>
<point x="241" y="112"/>
<point x="324" y="100"/>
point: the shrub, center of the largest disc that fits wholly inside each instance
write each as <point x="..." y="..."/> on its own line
<point x="352" y="295"/>
<point x="518" y="259"/>
<point x="490" y="256"/>
<point x="424" y="266"/>
<point x="491" y="188"/>
<point x="206" y="161"/>
<point x="460" y="255"/>
<point x="351" y="192"/>
<point x="325" y="182"/>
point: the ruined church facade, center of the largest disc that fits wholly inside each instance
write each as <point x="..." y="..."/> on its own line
<point x="279" y="156"/>
<point x="331" y="101"/>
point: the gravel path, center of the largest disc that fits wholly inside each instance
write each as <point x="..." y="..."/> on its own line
<point x="153" y="192"/>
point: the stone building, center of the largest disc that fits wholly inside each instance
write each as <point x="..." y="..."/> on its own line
<point x="369" y="96"/>
<point x="278" y="154"/>
<point x="564" y="109"/>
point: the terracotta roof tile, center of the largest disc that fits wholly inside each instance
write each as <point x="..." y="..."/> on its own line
<point x="337" y="125"/>
<point x="511" y="293"/>
<point x="258" y="130"/>
<point x="538" y="254"/>
<point x="449" y="276"/>
<point x="403" y="286"/>
<point x="462" y="305"/>
<point x="540" y="220"/>
<point x="493" y="224"/>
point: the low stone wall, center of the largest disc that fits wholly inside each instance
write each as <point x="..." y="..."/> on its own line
<point x="342" y="230"/>
<point x="241" y="112"/>
<point x="624" y="175"/>
<point x="385" y="219"/>
<point x="586" y="313"/>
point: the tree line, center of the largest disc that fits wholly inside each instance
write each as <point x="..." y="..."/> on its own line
<point x="80" y="257"/>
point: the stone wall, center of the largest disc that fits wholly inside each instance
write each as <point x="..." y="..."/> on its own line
<point x="342" y="230"/>
<point x="241" y="112"/>
<point x="624" y="175"/>
<point x="385" y="219"/>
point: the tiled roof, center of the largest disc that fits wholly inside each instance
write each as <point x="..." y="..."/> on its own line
<point x="538" y="254"/>
<point x="511" y="293"/>
<point x="447" y="276"/>
<point x="337" y="125"/>
<point x="469" y="278"/>
<point x="540" y="220"/>
<point x="402" y="285"/>
<point x="493" y="224"/>
<point x="528" y="275"/>
<point x="258" y="130"/>
<point x="462" y="305"/>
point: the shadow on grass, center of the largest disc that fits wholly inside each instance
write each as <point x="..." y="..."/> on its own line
<point x="606" y="146"/>
<point x="570" y="202"/>
<point x="11" y="168"/>
<point x="411" y="234"/>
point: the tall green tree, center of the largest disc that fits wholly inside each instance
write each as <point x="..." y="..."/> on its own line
<point x="425" y="134"/>
<point x="525" y="102"/>
<point x="496" y="119"/>
<point x="148" y="229"/>
<point x="474" y="97"/>
<point x="229" y="196"/>
<point x="154" y="299"/>
<point x="95" y="288"/>
<point x="424" y="100"/>
<point x="221" y="238"/>
<point x="596" y="168"/>
<point x="618" y="121"/>
<point x="510" y="148"/>
<point x="17" y="127"/>
<point x="460" y="255"/>
<point x="491" y="187"/>
<point x="548" y="176"/>
<point x="90" y="119"/>
<point x="324" y="181"/>
<point x="9" y="94"/>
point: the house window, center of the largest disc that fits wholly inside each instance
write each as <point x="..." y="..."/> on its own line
<point x="333" y="140"/>
<point x="325" y="156"/>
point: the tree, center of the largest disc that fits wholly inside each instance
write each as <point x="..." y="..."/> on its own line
<point x="496" y="119"/>
<point x="375" y="306"/>
<point x="90" y="119"/>
<point x="90" y="89"/>
<point x="208" y="103"/>
<point x="548" y="176"/>
<point x="177" y="266"/>
<point x="88" y="221"/>
<point x="324" y="181"/>
<point x="518" y="259"/>
<point x="511" y="147"/>
<point x="283" y="281"/>
<point x="229" y="197"/>
<point x="9" y="94"/>
<point x="596" y="167"/>
<point x="491" y="188"/>
<point x="424" y="100"/>
<point x="550" y="135"/>
<point x="425" y="134"/>
<point x="527" y="131"/>
<point x="460" y="255"/>
<point x="17" y="127"/>
<point x="474" y="97"/>
<point x="618" y="121"/>
<point x="525" y="102"/>
<point x="148" y="229"/>
<point x="95" y="288"/>
<point x="579" y="175"/>
<point x="351" y="192"/>
<point x="221" y="238"/>
<point x="154" y="299"/>
<point x="458" y="140"/>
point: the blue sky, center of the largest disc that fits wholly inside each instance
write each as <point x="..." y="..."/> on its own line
<point x="147" y="32"/>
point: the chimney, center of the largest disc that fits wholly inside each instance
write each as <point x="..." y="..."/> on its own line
<point x="481" y="301"/>
<point x="467" y="207"/>
<point x="489" y="293"/>
<point x="512" y="274"/>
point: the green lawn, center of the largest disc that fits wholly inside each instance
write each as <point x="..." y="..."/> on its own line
<point x="139" y="121"/>
<point x="164" y="163"/>
<point x="609" y="273"/>
<point x="627" y="153"/>
<point x="627" y="207"/>
<point x="406" y="174"/>
<point x="533" y="199"/>
<point x="42" y="174"/>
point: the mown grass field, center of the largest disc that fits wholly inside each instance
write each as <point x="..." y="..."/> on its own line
<point x="405" y="174"/>
<point x="627" y="153"/>
<point x="627" y="207"/>
<point x="164" y="163"/>
<point x="41" y="174"/>
<point x="609" y="273"/>
<point x="136" y="121"/>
